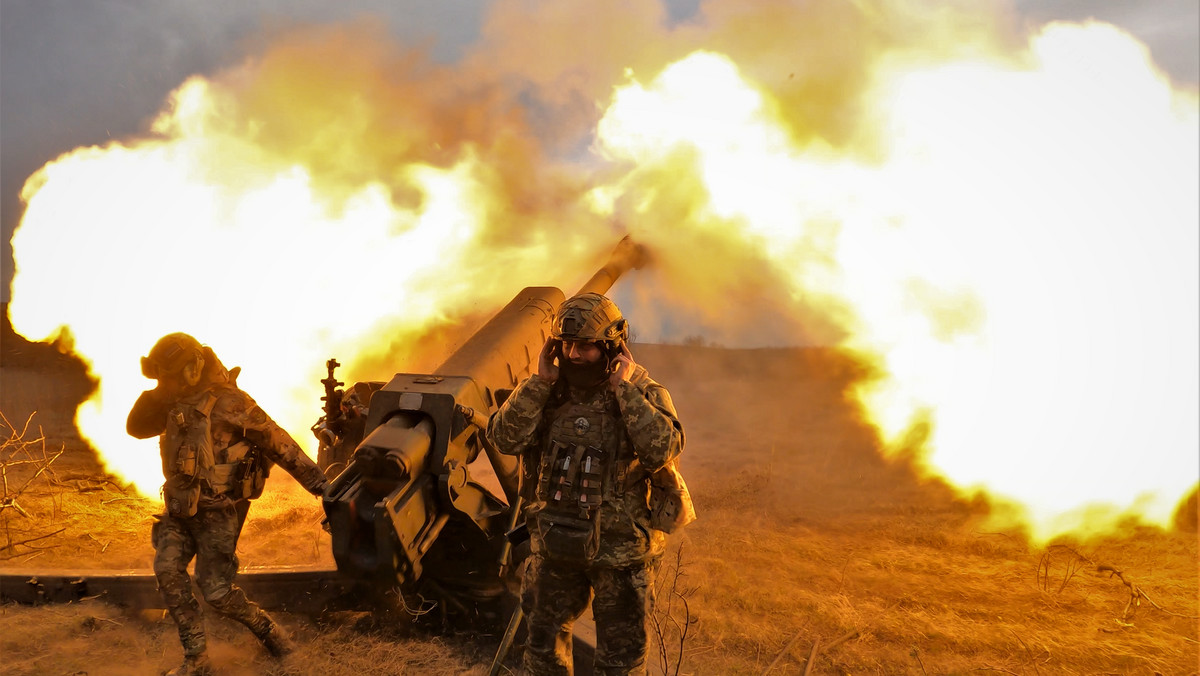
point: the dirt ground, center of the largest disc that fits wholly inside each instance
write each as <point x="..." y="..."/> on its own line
<point x="808" y="545"/>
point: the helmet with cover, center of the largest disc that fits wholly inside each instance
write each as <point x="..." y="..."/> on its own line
<point x="170" y="355"/>
<point x="591" y="317"/>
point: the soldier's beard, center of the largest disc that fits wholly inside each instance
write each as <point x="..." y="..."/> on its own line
<point x="585" y="375"/>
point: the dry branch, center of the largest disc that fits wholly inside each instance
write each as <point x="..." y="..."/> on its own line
<point x="12" y="502"/>
<point x="1027" y="650"/>
<point x="109" y="502"/>
<point x="16" y="444"/>
<point x="1136" y="594"/>
<point x="787" y="647"/>
<point x="840" y="640"/>
<point x="812" y="657"/>
<point x="668" y="614"/>
<point x="1072" y="567"/>
<point x="31" y="556"/>
<point x="916" y="654"/>
<point x="40" y="537"/>
<point x="17" y="451"/>
<point x="13" y="433"/>
<point x="817" y="649"/>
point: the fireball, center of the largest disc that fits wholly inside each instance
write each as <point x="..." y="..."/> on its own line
<point x="1004" y="226"/>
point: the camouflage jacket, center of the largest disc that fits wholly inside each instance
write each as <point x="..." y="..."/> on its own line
<point x="652" y="437"/>
<point x="235" y="418"/>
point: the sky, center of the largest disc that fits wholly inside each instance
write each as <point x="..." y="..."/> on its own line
<point x="76" y="73"/>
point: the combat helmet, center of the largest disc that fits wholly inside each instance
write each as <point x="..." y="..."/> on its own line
<point x="170" y="354"/>
<point x="590" y="317"/>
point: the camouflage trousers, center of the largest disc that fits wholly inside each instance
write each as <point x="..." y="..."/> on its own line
<point x="554" y="595"/>
<point x="211" y="538"/>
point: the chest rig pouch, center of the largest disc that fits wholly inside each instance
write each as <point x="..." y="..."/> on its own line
<point x="243" y="473"/>
<point x="187" y="454"/>
<point x="576" y="477"/>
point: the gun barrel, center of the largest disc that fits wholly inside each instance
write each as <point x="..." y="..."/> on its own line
<point x="628" y="255"/>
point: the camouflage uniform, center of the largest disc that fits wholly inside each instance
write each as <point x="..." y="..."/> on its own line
<point x="646" y="435"/>
<point x="211" y="535"/>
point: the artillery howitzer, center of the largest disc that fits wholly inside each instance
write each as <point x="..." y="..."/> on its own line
<point x="420" y="500"/>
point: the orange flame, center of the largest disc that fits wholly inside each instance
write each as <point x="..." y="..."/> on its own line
<point x="1007" y="227"/>
<point x="1024" y="268"/>
<point x="264" y="243"/>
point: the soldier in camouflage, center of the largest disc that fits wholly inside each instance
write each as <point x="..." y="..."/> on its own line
<point x="217" y="447"/>
<point x="591" y="428"/>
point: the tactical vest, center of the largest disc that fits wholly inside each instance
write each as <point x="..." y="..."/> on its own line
<point x="190" y="462"/>
<point x="578" y="472"/>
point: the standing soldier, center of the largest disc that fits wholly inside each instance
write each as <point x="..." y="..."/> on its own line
<point x="217" y="447"/>
<point x="592" y="429"/>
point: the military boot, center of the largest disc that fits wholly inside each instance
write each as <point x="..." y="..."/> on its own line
<point x="193" y="665"/>
<point x="277" y="641"/>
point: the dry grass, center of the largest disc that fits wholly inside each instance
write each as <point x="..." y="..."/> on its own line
<point x="805" y="535"/>
<point x="100" y="640"/>
<point x="97" y="523"/>
<point x="959" y="606"/>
